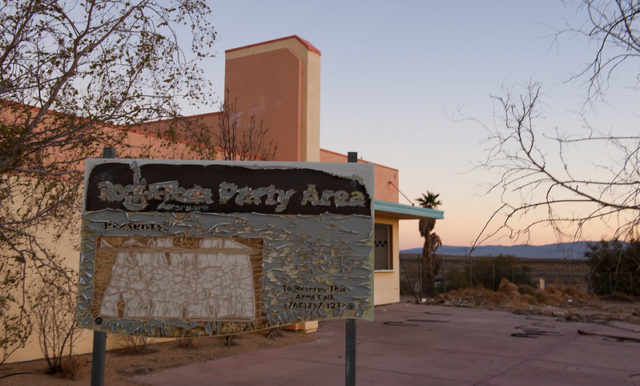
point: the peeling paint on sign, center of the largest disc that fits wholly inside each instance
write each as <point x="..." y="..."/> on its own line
<point x="172" y="248"/>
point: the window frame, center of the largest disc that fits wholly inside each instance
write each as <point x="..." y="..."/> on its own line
<point x="389" y="265"/>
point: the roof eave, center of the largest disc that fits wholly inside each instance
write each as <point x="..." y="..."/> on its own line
<point x="405" y="212"/>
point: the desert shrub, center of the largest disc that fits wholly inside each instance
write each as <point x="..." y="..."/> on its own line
<point x="71" y="367"/>
<point x="526" y="289"/>
<point x="530" y="299"/>
<point x="15" y="324"/>
<point x="577" y="294"/>
<point x="455" y="279"/>
<point x="53" y="305"/>
<point x="614" y="266"/>
<point x="539" y="296"/>
<point x="507" y="287"/>
<point x="274" y="333"/>
<point x="618" y="297"/>
<point x="133" y="344"/>
<point x="522" y="275"/>
<point x="186" y="342"/>
<point x="555" y="295"/>
<point x="488" y="271"/>
<point x="553" y="289"/>
<point x="230" y="341"/>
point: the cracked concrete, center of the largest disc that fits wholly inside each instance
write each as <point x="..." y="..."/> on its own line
<point x="411" y="344"/>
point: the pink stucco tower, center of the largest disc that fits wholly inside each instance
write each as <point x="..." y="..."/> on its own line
<point x="279" y="82"/>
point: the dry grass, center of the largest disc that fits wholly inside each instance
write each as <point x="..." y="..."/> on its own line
<point x="133" y="344"/>
<point x="185" y="342"/>
<point x="569" y="303"/>
<point x="71" y="367"/>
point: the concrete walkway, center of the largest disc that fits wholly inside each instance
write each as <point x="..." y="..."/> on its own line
<point x="410" y="344"/>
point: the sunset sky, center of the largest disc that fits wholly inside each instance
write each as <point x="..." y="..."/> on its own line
<point x="408" y="84"/>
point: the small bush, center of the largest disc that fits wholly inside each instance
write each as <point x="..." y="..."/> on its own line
<point x="507" y="287"/>
<point x="526" y="289"/>
<point x="186" y="342"/>
<point x="541" y="296"/>
<point x="15" y="324"/>
<point x="456" y="279"/>
<point x="71" y="367"/>
<point x="615" y="267"/>
<point x="53" y="305"/>
<point x="534" y="295"/>
<point x="230" y="341"/>
<point x="489" y="271"/>
<point x="618" y="297"/>
<point x="133" y="344"/>
<point x="530" y="298"/>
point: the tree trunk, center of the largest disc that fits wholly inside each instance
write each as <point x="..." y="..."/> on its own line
<point x="427" y="269"/>
<point x="425" y="226"/>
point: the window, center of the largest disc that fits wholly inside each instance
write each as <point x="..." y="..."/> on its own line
<point x="382" y="250"/>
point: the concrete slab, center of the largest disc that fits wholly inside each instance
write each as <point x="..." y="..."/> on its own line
<point x="411" y="344"/>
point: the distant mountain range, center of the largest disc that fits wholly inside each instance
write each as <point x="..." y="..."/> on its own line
<point x="573" y="250"/>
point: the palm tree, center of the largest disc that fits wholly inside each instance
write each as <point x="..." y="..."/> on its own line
<point x="431" y="243"/>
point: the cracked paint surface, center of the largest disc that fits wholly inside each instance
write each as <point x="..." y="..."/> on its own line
<point x="198" y="273"/>
<point x="155" y="280"/>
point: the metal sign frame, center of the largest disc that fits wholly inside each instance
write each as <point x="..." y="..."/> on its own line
<point x="303" y="230"/>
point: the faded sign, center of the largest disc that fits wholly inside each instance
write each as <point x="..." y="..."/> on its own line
<point x="187" y="248"/>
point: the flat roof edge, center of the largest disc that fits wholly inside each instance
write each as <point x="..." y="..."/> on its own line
<point x="308" y="46"/>
<point x="406" y="212"/>
<point x="359" y="160"/>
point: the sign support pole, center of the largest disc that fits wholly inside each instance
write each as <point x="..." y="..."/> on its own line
<point x="97" y="358"/>
<point x="350" y="349"/>
<point x="100" y="338"/>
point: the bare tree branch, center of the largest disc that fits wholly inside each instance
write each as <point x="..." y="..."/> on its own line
<point x="247" y="142"/>
<point x="537" y="189"/>
<point x="74" y="76"/>
<point x="613" y="25"/>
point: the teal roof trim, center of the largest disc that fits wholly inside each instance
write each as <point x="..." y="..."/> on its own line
<point x="400" y="211"/>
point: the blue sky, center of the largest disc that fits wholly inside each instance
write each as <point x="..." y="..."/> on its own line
<point x="398" y="79"/>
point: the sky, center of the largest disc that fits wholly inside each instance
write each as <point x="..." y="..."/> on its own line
<point x="408" y="84"/>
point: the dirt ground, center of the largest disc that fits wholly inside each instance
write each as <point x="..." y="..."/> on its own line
<point x="122" y="363"/>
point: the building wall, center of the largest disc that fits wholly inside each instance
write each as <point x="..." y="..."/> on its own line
<point x="386" y="283"/>
<point x="68" y="250"/>
<point x="67" y="246"/>
<point x="279" y="82"/>
<point x="184" y="127"/>
<point x="385" y="177"/>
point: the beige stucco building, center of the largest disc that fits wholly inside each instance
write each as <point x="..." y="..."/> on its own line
<point x="278" y="82"/>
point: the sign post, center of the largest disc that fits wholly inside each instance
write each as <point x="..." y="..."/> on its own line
<point x="99" y="337"/>
<point x="98" y="358"/>
<point x="350" y="333"/>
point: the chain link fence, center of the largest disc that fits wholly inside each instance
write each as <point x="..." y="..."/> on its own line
<point x="461" y="272"/>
